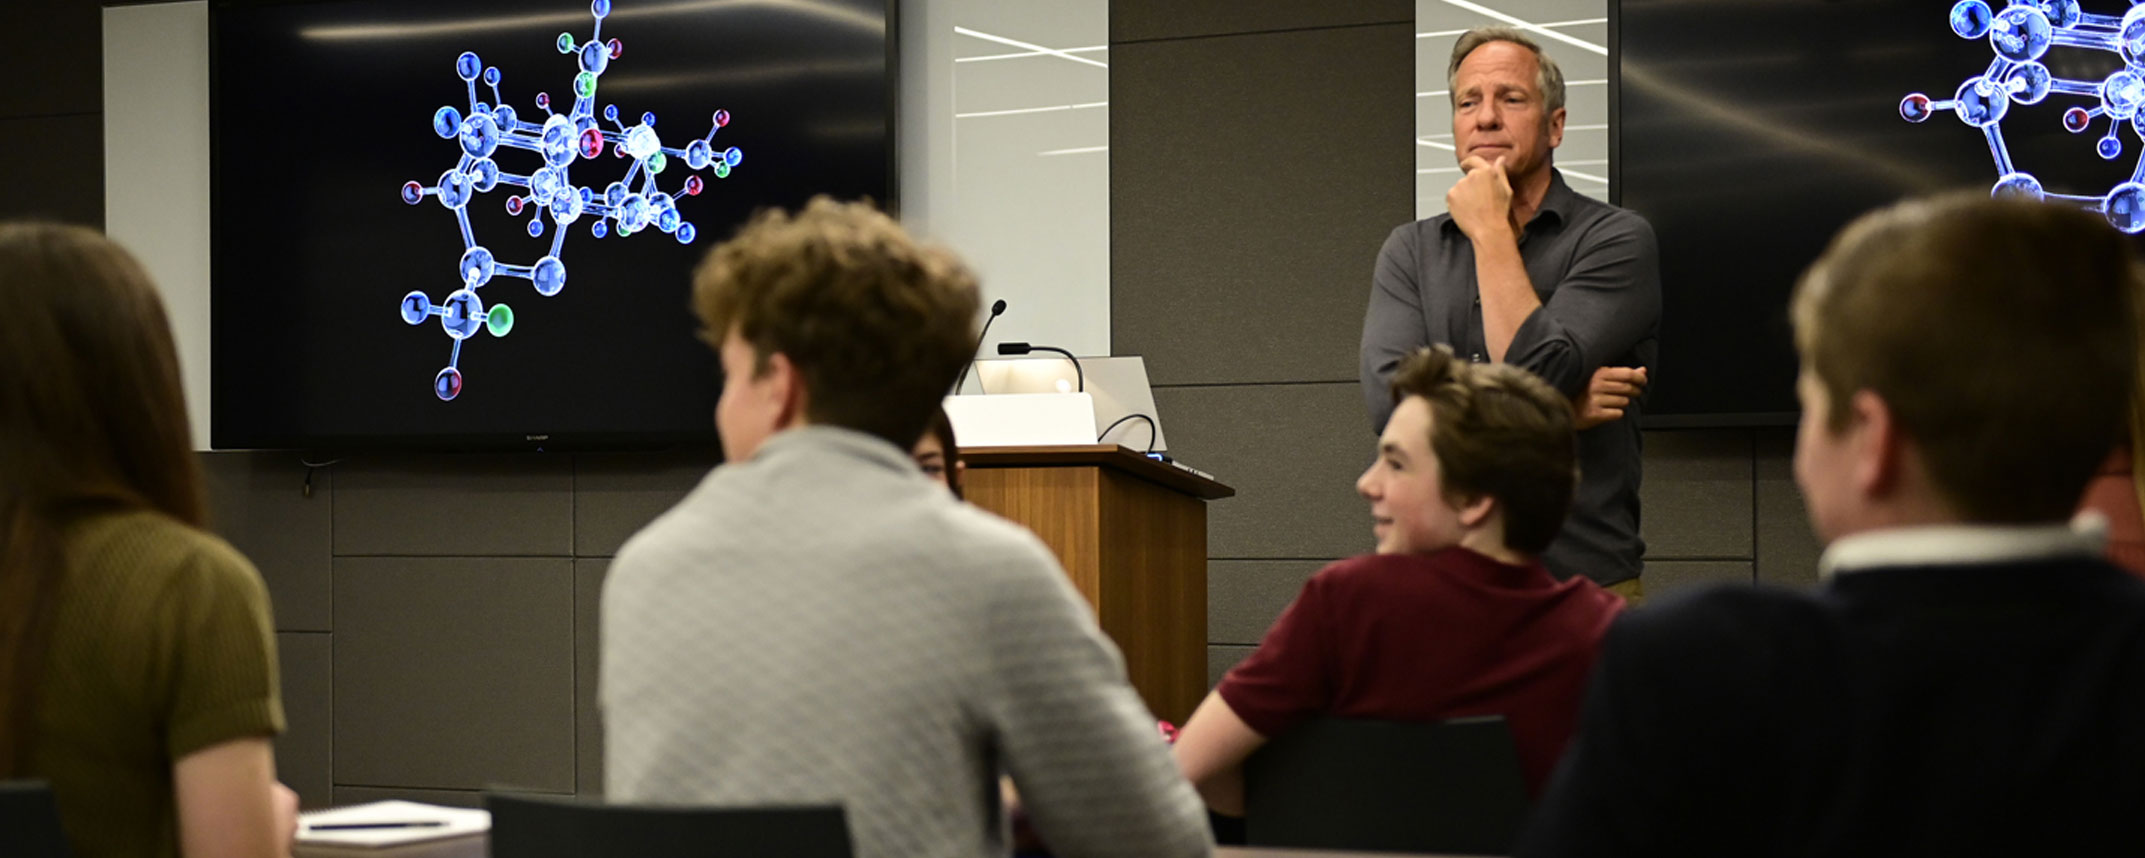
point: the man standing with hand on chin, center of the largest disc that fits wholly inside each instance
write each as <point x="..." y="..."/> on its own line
<point x="1522" y="270"/>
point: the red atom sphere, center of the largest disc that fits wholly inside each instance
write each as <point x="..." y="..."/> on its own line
<point x="692" y="186"/>
<point x="411" y="191"/>
<point x="513" y="205"/>
<point x="543" y="99"/>
<point x="617" y="47"/>
<point x="2075" y="119"/>
<point x="591" y="143"/>
<point x="722" y="118"/>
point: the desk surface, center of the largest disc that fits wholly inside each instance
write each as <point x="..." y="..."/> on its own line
<point x="474" y="847"/>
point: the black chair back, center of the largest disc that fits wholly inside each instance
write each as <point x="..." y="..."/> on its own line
<point x="1346" y="784"/>
<point x="30" y="821"/>
<point x="529" y="827"/>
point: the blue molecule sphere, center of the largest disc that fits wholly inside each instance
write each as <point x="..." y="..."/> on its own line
<point x="480" y="135"/>
<point x="686" y="233"/>
<point x="464" y="314"/>
<point x="467" y="66"/>
<point x="610" y="112"/>
<point x="491" y="76"/>
<point x="549" y="275"/>
<point x="2109" y="147"/>
<point x="732" y="156"/>
<point x="1970" y="19"/>
<point x="2062" y="13"/>
<point x="2121" y="94"/>
<point x="415" y="307"/>
<point x="2125" y="207"/>
<point x="1979" y="104"/>
<point x="484" y="174"/>
<point x="2130" y="35"/>
<point x="2020" y="33"/>
<point x="598" y="230"/>
<point x="1915" y="107"/>
<point x="454" y="189"/>
<point x="600" y="8"/>
<point x="565" y="207"/>
<point x="536" y="227"/>
<point x="558" y="143"/>
<point x="505" y="117"/>
<point x="648" y="119"/>
<point x="698" y="153"/>
<point x="2029" y="83"/>
<point x="615" y="194"/>
<point x="2021" y="185"/>
<point x="477" y="267"/>
<point x="447" y="384"/>
<point x="595" y="58"/>
<point x="581" y="125"/>
<point x="446" y="122"/>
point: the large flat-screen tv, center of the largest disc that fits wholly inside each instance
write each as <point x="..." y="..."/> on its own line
<point x="473" y="223"/>
<point x="1749" y="132"/>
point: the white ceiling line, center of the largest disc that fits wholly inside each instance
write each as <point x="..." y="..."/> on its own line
<point x="1572" y="23"/>
<point x="1080" y="151"/>
<point x="1019" y="110"/>
<point x="1567" y="85"/>
<point x="988" y="57"/>
<point x="1488" y="12"/>
<point x="1029" y="46"/>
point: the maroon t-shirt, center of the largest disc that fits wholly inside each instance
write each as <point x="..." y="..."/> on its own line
<point x="1429" y="637"/>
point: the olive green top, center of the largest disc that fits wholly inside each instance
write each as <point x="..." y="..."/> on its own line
<point x="162" y="646"/>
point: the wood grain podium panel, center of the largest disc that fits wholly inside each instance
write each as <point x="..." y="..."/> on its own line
<point x="1131" y="533"/>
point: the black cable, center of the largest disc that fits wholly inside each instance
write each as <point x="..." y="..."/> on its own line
<point x="307" y="489"/>
<point x="1152" y="430"/>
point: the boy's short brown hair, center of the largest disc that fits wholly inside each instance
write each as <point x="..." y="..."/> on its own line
<point x="2001" y="334"/>
<point x="1498" y="431"/>
<point x="876" y="323"/>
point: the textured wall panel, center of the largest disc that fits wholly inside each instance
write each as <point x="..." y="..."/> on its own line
<point x="1292" y="452"/>
<point x="304" y="753"/>
<point x="1787" y="548"/>
<point x="454" y="673"/>
<point x="1221" y="657"/>
<point x="1245" y="596"/>
<point x="459" y="506"/>
<point x="587" y="651"/>
<point x="1670" y="577"/>
<point x="1252" y="180"/>
<point x="258" y="502"/>
<point x="449" y="797"/>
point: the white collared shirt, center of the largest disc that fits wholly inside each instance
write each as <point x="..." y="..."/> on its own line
<point x="1963" y="544"/>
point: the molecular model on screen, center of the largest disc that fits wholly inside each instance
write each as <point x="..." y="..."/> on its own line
<point x="625" y="206"/>
<point x="2020" y="35"/>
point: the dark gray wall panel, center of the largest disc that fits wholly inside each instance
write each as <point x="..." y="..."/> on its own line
<point x="1252" y="180"/>
<point x="1669" y="577"/>
<point x="1292" y="452"/>
<point x="1244" y="596"/>
<point x="1221" y="657"/>
<point x="454" y="673"/>
<point x="304" y="753"/>
<point x="1787" y="548"/>
<point x="1176" y="19"/>
<point x="459" y="506"/>
<point x="449" y="797"/>
<point x="1695" y="501"/>
<point x="64" y="179"/>
<point x="614" y="496"/>
<point x="258" y="502"/>
<point x="56" y="49"/>
<point x="587" y="647"/>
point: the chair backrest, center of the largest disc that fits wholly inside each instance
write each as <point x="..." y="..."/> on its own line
<point x="1336" y="783"/>
<point x="30" y="821"/>
<point x="528" y="827"/>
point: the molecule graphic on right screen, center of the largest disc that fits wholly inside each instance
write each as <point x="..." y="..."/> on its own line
<point x="560" y="140"/>
<point x="2020" y="35"/>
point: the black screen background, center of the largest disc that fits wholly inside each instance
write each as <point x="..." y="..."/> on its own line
<point x="323" y="110"/>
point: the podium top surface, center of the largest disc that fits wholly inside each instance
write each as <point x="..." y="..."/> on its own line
<point x="1103" y="455"/>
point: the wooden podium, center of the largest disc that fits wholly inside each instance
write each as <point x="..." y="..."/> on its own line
<point x="1131" y="532"/>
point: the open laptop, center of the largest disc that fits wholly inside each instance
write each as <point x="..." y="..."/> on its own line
<point x="1118" y="385"/>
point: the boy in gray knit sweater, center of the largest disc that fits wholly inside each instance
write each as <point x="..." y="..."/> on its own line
<point x="817" y="623"/>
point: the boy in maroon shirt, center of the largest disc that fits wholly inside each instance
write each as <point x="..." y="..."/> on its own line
<point x="1455" y="615"/>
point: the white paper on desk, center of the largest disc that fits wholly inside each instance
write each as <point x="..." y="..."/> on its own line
<point x="459" y="821"/>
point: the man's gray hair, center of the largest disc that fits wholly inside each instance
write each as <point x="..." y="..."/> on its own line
<point x="1548" y="79"/>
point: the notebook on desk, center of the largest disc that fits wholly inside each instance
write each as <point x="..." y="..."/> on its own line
<point x="389" y="823"/>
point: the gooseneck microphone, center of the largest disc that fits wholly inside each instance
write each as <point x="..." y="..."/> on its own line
<point x="997" y="309"/>
<point x="1024" y="348"/>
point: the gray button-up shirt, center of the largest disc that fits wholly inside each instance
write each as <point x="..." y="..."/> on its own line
<point x="1598" y="273"/>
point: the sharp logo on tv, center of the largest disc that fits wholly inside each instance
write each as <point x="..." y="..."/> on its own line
<point x="571" y="217"/>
